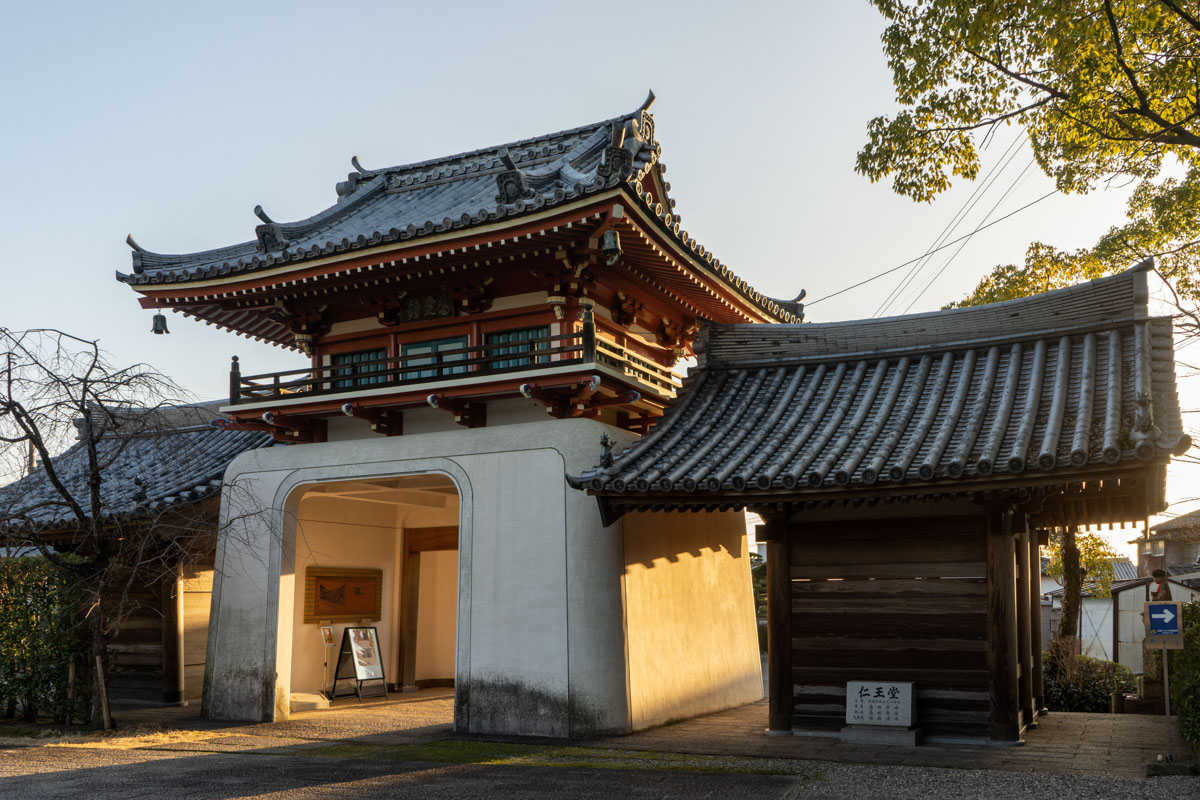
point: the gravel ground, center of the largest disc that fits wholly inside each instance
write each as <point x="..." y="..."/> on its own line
<point x="208" y="770"/>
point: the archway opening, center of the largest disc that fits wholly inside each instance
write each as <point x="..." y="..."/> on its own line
<point x="379" y="553"/>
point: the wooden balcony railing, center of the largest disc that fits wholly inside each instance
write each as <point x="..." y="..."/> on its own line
<point x="475" y="361"/>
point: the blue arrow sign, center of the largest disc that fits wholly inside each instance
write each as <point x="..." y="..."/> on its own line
<point x="1164" y="619"/>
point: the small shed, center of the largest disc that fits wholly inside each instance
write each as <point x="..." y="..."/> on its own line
<point x="906" y="469"/>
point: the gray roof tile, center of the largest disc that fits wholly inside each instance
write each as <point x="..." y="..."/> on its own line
<point x="406" y="202"/>
<point x="175" y="467"/>
<point x="1065" y="380"/>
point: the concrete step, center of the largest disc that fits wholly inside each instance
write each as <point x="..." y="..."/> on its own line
<point x="308" y="701"/>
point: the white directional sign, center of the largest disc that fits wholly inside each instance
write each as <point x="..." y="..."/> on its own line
<point x="1164" y="625"/>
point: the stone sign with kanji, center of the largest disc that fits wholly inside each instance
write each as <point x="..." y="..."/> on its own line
<point x="880" y="703"/>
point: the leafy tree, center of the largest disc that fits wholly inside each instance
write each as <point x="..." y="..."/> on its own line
<point x="1073" y="556"/>
<point x="1105" y="89"/>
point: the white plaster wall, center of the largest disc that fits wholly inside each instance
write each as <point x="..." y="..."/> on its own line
<point x="693" y="642"/>
<point x="539" y="636"/>
<point x="429" y="420"/>
<point x="509" y="412"/>
<point x="343" y="428"/>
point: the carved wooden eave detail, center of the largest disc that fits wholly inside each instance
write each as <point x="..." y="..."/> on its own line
<point x="306" y="325"/>
<point x="579" y="400"/>
<point x="387" y="422"/>
<point x="284" y="428"/>
<point x="625" y="309"/>
<point x="475" y="297"/>
<point x="466" y="413"/>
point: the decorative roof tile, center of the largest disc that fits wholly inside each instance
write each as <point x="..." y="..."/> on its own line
<point x="1056" y="383"/>
<point x="402" y="203"/>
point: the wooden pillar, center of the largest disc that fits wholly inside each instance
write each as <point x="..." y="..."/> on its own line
<point x="410" y="591"/>
<point x="1024" y="648"/>
<point x="1037" y="537"/>
<point x="171" y="606"/>
<point x="779" y="625"/>
<point x="1035" y="619"/>
<point x="1002" y="629"/>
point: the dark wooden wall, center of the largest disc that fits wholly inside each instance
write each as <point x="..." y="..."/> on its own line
<point x="902" y="600"/>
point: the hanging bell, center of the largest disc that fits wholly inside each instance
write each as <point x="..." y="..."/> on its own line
<point x="160" y="325"/>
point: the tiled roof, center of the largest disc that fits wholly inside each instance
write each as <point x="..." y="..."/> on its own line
<point x="1052" y="384"/>
<point x="148" y="472"/>
<point x="1183" y="522"/>
<point x="403" y="203"/>
<point x="1124" y="569"/>
<point x="1118" y="585"/>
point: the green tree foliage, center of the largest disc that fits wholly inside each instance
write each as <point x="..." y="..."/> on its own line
<point x="1095" y="558"/>
<point x="1104" y="88"/>
<point x="1185" y="676"/>
<point x="42" y="630"/>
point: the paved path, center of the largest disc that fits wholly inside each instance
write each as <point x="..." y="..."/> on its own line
<point x="404" y="748"/>
<point x="1115" y="745"/>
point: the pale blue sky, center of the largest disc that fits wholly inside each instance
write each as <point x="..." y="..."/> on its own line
<point x="171" y="121"/>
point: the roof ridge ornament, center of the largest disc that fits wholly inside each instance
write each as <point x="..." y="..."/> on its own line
<point x="616" y="158"/>
<point x="512" y="184"/>
<point x="270" y="233"/>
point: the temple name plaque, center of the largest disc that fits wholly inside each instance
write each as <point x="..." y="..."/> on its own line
<point x="880" y="703"/>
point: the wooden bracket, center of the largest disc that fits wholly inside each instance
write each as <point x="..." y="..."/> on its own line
<point x="295" y="429"/>
<point x="388" y="423"/>
<point x="467" y="414"/>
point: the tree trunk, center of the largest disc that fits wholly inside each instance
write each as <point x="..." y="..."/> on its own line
<point x="99" y="647"/>
<point x="1068" y="623"/>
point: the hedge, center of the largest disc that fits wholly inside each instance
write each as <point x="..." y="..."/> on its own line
<point x="1081" y="683"/>
<point x="1185" y="676"/>
<point x="42" y="628"/>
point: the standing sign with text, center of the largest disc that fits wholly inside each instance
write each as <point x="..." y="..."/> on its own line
<point x="1164" y="625"/>
<point x="880" y="703"/>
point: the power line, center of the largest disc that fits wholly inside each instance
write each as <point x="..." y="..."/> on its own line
<point x="981" y="188"/>
<point x="954" y="255"/>
<point x="947" y="245"/>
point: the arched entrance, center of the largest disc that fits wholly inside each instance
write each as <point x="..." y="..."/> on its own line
<point x="378" y="552"/>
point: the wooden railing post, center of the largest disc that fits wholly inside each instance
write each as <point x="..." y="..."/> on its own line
<point x="235" y="381"/>
<point x="589" y="336"/>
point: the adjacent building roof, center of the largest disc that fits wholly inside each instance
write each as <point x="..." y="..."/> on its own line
<point x="1049" y="386"/>
<point x="147" y="472"/>
<point x="1184" y="523"/>
<point x="403" y="203"/>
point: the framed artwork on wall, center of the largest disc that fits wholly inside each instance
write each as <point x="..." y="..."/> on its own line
<point x="342" y="595"/>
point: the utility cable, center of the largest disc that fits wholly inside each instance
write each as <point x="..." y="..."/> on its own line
<point x="981" y="188"/>
<point x="954" y="255"/>
<point x="945" y="246"/>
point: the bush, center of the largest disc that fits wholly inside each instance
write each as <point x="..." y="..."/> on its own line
<point x="1081" y="683"/>
<point x="1185" y="676"/>
<point x="41" y="630"/>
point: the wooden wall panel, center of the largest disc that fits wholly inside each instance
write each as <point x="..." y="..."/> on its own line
<point x="891" y="601"/>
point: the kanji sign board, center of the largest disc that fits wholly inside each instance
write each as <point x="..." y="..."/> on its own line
<point x="880" y="703"/>
<point x="1164" y="625"/>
